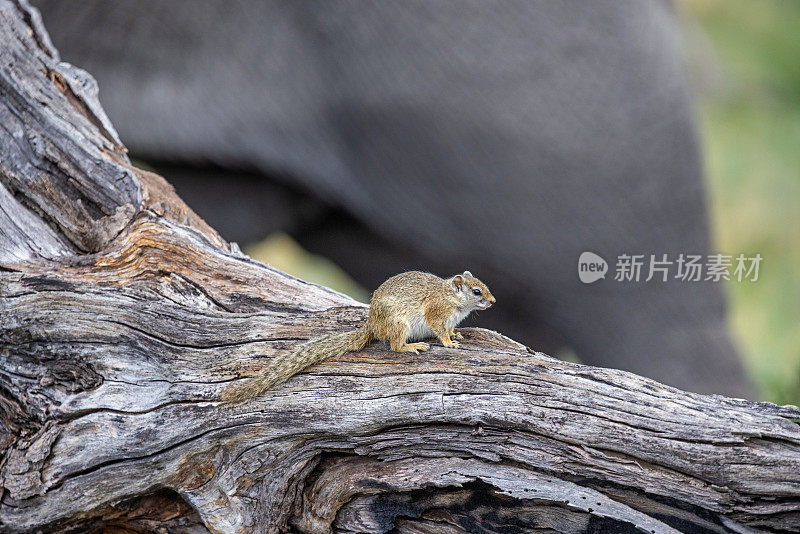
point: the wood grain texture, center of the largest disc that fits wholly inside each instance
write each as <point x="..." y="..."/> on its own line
<point x="123" y="316"/>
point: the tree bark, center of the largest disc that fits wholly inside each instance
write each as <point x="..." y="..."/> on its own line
<point x="123" y="316"/>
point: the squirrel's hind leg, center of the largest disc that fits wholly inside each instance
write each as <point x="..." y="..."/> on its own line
<point x="414" y="347"/>
<point x="398" y="335"/>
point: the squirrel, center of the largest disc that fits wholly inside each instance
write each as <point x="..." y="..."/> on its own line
<point x="410" y="306"/>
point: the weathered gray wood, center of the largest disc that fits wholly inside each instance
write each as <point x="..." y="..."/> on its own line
<point x="121" y="321"/>
<point x="56" y="144"/>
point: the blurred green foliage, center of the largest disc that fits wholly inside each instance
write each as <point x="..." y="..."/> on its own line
<point x="283" y="252"/>
<point x="745" y="59"/>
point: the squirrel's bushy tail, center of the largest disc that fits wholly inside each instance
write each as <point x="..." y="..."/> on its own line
<point x="284" y="367"/>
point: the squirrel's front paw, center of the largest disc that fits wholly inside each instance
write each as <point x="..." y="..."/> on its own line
<point x="458" y="335"/>
<point x="450" y="343"/>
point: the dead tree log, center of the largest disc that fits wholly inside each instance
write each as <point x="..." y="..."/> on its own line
<point x="123" y="316"/>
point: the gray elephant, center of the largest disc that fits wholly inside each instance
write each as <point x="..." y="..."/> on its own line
<point x="502" y="137"/>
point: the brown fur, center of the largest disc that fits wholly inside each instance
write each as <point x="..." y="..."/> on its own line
<point x="399" y="310"/>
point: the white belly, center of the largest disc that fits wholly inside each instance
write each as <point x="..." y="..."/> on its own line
<point x="418" y="328"/>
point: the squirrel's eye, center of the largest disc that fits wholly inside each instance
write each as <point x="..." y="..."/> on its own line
<point x="477" y="291"/>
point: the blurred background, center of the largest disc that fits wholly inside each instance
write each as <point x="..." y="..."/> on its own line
<point x="744" y="60"/>
<point x="344" y="142"/>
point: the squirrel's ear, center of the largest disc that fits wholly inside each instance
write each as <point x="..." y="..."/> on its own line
<point x="458" y="282"/>
<point x="467" y="273"/>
